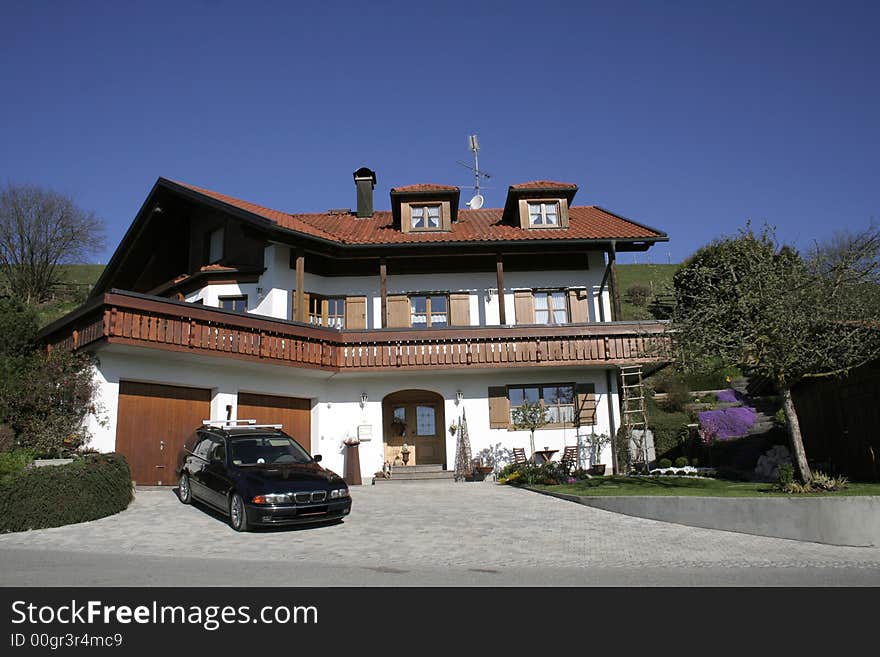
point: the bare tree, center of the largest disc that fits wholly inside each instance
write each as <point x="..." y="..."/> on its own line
<point x="39" y="230"/>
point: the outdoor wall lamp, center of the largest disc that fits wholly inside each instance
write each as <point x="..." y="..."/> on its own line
<point x="459" y="395"/>
<point x="364" y="399"/>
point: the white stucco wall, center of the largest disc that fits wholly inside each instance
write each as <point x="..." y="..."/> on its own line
<point x="278" y="281"/>
<point x="335" y="409"/>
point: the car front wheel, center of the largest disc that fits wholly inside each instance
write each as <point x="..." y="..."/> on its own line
<point x="237" y="514"/>
<point x="183" y="489"/>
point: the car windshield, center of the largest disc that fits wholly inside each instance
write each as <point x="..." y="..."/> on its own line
<point x="267" y="450"/>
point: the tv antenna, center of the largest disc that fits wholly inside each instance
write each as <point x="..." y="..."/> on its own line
<point x="476" y="201"/>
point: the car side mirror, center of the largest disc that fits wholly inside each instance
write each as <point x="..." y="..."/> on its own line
<point x="317" y="458"/>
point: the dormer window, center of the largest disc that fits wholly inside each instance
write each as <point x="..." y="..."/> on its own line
<point x="544" y="214"/>
<point x="425" y="217"/>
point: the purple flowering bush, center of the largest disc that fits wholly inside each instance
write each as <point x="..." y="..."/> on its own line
<point x="728" y="396"/>
<point x="727" y="422"/>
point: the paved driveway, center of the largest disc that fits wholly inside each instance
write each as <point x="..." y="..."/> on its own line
<point x="419" y="534"/>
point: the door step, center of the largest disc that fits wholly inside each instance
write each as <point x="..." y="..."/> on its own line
<point x="417" y="473"/>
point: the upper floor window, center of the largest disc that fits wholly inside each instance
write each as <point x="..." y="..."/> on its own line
<point x="214" y="246"/>
<point x="235" y="304"/>
<point x="425" y="217"/>
<point x="327" y="311"/>
<point x="429" y="311"/>
<point x="544" y="214"/>
<point x="550" y="307"/>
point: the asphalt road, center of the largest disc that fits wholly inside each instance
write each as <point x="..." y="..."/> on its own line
<point x="431" y="534"/>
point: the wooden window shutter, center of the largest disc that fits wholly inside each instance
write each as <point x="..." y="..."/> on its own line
<point x="460" y="309"/>
<point x="586" y="404"/>
<point x="356" y="312"/>
<point x="499" y="408"/>
<point x="563" y="213"/>
<point x="398" y="311"/>
<point x="579" y="301"/>
<point x="524" y="306"/>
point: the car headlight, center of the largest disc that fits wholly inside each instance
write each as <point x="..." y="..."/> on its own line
<point x="338" y="492"/>
<point x="272" y="498"/>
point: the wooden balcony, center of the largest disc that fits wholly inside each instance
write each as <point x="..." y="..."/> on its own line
<point x="153" y="322"/>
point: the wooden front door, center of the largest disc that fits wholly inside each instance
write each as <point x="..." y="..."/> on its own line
<point x="152" y="423"/>
<point x="415" y="417"/>
<point x="291" y="412"/>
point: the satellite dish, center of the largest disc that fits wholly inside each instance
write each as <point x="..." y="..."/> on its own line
<point x="476" y="202"/>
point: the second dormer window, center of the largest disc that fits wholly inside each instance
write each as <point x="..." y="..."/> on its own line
<point x="426" y="217"/>
<point x="544" y="214"/>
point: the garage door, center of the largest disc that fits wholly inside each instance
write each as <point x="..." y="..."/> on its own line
<point x="292" y="412"/>
<point x="153" y="423"/>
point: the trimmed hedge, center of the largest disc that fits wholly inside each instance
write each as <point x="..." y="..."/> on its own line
<point x="92" y="487"/>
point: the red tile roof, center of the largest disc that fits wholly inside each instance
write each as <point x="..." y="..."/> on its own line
<point x="425" y="187"/>
<point x="585" y="222"/>
<point x="542" y="184"/>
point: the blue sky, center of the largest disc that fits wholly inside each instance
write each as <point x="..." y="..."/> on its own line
<point x="690" y="117"/>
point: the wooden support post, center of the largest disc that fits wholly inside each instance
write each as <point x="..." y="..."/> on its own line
<point x="299" y="301"/>
<point x="383" y="290"/>
<point x="499" y="270"/>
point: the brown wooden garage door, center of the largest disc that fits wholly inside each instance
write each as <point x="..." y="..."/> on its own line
<point x="292" y="412"/>
<point x="153" y="423"/>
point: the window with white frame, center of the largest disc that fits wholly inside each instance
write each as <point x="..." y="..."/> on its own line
<point x="425" y="217"/>
<point x="543" y="214"/>
<point x="551" y="307"/>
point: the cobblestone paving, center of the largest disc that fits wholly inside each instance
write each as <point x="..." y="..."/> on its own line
<point x="481" y="527"/>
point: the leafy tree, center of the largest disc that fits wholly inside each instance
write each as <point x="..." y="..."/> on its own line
<point x="531" y="416"/>
<point x="39" y="230"/>
<point x="44" y="398"/>
<point x="786" y="318"/>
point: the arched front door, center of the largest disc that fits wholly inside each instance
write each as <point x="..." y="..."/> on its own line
<point x="417" y="418"/>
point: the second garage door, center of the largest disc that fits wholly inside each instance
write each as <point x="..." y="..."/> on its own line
<point x="152" y="424"/>
<point x="292" y="412"/>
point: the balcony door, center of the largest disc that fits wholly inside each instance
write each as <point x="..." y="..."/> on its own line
<point x="415" y="418"/>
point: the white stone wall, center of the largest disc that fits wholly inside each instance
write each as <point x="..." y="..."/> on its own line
<point x="335" y="410"/>
<point x="271" y="296"/>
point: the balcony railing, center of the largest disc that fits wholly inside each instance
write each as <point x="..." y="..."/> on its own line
<point x="133" y="319"/>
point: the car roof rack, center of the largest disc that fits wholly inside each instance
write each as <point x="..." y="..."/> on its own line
<point x="225" y="424"/>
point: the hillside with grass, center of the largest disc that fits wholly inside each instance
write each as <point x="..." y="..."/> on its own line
<point x="640" y="285"/>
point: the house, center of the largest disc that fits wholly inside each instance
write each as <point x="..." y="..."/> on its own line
<point x="380" y="325"/>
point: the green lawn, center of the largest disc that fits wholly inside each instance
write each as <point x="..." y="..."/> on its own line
<point x="687" y="486"/>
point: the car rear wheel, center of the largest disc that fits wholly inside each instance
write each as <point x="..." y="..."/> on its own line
<point x="238" y="514"/>
<point x="184" y="492"/>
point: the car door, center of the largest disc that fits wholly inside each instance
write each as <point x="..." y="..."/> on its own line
<point x="196" y="462"/>
<point x="215" y="474"/>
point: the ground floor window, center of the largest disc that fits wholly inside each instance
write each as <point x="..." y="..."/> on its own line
<point x="557" y="400"/>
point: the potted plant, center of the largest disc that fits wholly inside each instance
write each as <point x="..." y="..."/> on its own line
<point x="404" y="453"/>
<point x="452" y="429"/>
<point x="596" y="444"/>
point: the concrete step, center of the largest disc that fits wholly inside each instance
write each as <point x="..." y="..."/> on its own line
<point x="443" y="475"/>
<point x="432" y="467"/>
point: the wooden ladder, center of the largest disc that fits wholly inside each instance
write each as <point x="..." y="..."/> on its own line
<point x="634" y="413"/>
